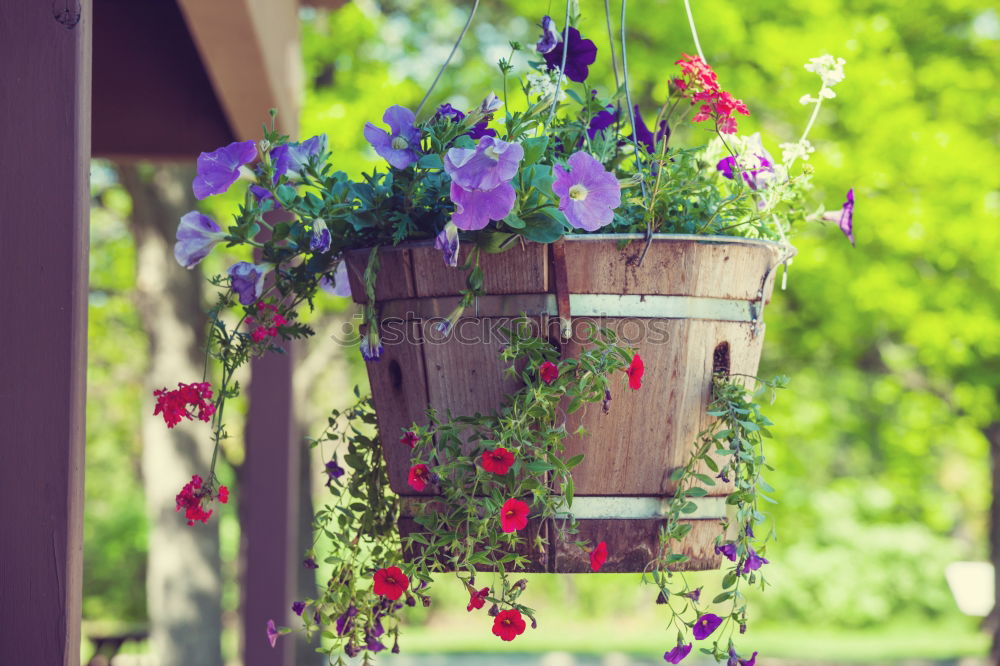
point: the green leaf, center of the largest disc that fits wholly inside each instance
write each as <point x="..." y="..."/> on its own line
<point x="513" y="221"/>
<point x="431" y="161"/>
<point x="534" y="148"/>
<point x="285" y="194"/>
<point x="493" y="242"/>
<point x="574" y="461"/>
<point x="543" y="228"/>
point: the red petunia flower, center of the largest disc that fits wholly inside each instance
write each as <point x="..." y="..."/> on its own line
<point x="634" y="371"/>
<point x="498" y="460"/>
<point x="477" y="598"/>
<point x="174" y="404"/>
<point x="548" y="372"/>
<point x="409" y="438"/>
<point x="508" y="624"/>
<point x="513" y="516"/>
<point x="391" y="583"/>
<point x="598" y="556"/>
<point x="419" y="475"/>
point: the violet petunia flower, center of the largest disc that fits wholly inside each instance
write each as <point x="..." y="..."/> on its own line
<point x="247" y="280"/>
<point x="474" y="208"/>
<point x="320" y="240"/>
<point x="346" y="620"/>
<point x="197" y="234"/>
<point x="221" y="168"/>
<point x="298" y="607"/>
<point x="478" y="131"/>
<point x="489" y="164"/>
<point x="401" y="147"/>
<point x="373" y="644"/>
<point x="845" y="218"/>
<point x="602" y="120"/>
<point x="490" y="105"/>
<point x="291" y="159"/>
<point x="705" y="625"/>
<point x="333" y="471"/>
<point x="694" y="595"/>
<point x="752" y="661"/>
<point x="728" y="550"/>
<point x="753" y="562"/>
<point x="643" y="134"/>
<point x="371" y="347"/>
<point x="550" y="36"/>
<point x="310" y="563"/>
<point x="447" y="242"/>
<point x="677" y="654"/>
<point x="755" y="162"/>
<point x="272" y="633"/>
<point x="351" y="650"/>
<point x="339" y="285"/>
<point x="588" y="195"/>
<point x="580" y="55"/>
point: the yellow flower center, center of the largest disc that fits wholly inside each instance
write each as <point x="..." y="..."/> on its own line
<point x="492" y="153"/>
<point x="399" y="143"/>
<point x="578" y="192"/>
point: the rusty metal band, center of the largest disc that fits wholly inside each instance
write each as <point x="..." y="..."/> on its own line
<point x="581" y="305"/>
<point x="611" y="508"/>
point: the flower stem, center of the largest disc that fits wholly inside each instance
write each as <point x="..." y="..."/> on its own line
<point x="468" y="22"/>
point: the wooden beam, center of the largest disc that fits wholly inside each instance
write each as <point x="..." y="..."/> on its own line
<point x="250" y="49"/>
<point x="45" y="56"/>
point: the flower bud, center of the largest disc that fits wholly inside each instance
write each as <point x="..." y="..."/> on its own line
<point x="493" y="611"/>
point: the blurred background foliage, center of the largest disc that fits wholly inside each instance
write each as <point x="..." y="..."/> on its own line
<point x="893" y="347"/>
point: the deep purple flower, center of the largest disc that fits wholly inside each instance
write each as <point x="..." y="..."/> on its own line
<point x="728" y="550"/>
<point x="220" y="168"/>
<point x="197" y="234"/>
<point x="693" y="595"/>
<point x="749" y="662"/>
<point x="247" y="280"/>
<point x="753" y="562"/>
<point x="333" y="470"/>
<point x="602" y="120"/>
<point x="339" y="285"/>
<point x="320" y="240"/>
<point x="346" y="620"/>
<point x="401" y="148"/>
<point x="705" y="625"/>
<point x="373" y="644"/>
<point x="478" y="131"/>
<point x="677" y="654"/>
<point x="748" y="529"/>
<point x="845" y="218"/>
<point x="580" y="55"/>
<point x="447" y="242"/>
<point x="272" y="633"/>
<point x="644" y="136"/>
<point x="351" y="650"/>
<point x="734" y="659"/>
<point x="310" y="563"/>
<point x="588" y="195"/>
<point x="377" y="629"/>
<point x="449" y="112"/>
<point x="474" y="209"/>
<point x="298" y="607"/>
<point x="484" y="167"/>
<point x="550" y="36"/>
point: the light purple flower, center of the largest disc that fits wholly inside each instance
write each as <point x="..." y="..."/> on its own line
<point x="197" y="234"/>
<point x="474" y="208"/>
<point x="320" y="240"/>
<point x="401" y="147"/>
<point x="753" y="562"/>
<point x="339" y="285"/>
<point x="484" y="167"/>
<point x="845" y="218"/>
<point x="580" y="55"/>
<point x="371" y="347"/>
<point x="220" y="168"/>
<point x="291" y="159"/>
<point x="447" y="242"/>
<point x="490" y="105"/>
<point x="677" y="654"/>
<point x="705" y="625"/>
<point x="588" y="195"/>
<point x="298" y="607"/>
<point x="272" y="633"/>
<point x="550" y="36"/>
<point x="247" y="280"/>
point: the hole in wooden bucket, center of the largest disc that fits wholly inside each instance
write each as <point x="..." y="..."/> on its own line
<point x="720" y="359"/>
<point x="395" y="375"/>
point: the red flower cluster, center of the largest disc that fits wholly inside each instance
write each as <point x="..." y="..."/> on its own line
<point x="477" y="598"/>
<point x="549" y="372"/>
<point x="701" y="84"/>
<point x="267" y="321"/>
<point x="391" y="583"/>
<point x="508" y="624"/>
<point x="598" y="556"/>
<point x="419" y="475"/>
<point x="635" y="371"/>
<point x="513" y="516"/>
<point x="498" y="460"/>
<point x="409" y="438"/>
<point x="174" y="404"/>
<point x="192" y="496"/>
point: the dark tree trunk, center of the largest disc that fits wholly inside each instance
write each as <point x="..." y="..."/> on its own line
<point x="184" y="581"/>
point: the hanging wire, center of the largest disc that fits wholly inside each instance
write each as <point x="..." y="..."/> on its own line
<point x="611" y="43"/>
<point x="694" y="31"/>
<point x="631" y="115"/>
<point x="562" y="68"/>
<point x="468" y="22"/>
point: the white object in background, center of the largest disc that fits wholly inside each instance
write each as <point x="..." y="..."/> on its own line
<point x="971" y="584"/>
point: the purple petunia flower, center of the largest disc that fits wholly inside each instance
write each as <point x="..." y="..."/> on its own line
<point x="373" y="644"/>
<point x="693" y="595"/>
<point x="291" y="159"/>
<point x="333" y="470"/>
<point x="351" y="650"/>
<point x="749" y="662"/>
<point x="401" y="147"/>
<point x="705" y="625"/>
<point x="339" y="285"/>
<point x="377" y="629"/>
<point x="474" y="208"/>
<point x="298" y="607"/>
<point x="490" y="105"/>
<point x="755" y="162"/>
<point x="478" y="131"/>
<point x="728" y="550"/>
<point x="447" y="242"/>
<point x="197" y="234"/>
<point x="221" y="168"/>
<point x="310" y="563"/>
<point x="489" y="164"/>
<point x="272" y="633"/>
<point x="320" y="240"/>
<point x="247" y="280"/>
<point x="734" y="659"/>
<point x="677" y="654"/>
<point x="550" y="36"/>
<point x="602" y="120"/>
<point x="580" y="55"/>
<point x="644" y="136"/>
<point x="346" y="620"/>
<point x="845" y="218"/>
<point x="371" y="348"/>
<point x="753" y="562"/>
<point x="588" y="195"/>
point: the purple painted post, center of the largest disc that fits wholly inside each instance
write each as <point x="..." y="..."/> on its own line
<point x="45" y="68"/>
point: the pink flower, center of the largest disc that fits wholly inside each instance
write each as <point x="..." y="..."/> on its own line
<point x="635" y="371"/>
<point x="272" y="633"/>
<point x="548" y="372"/>
<point x="409" y="439"/>
<point x="598" y="556"/>
<point x="174" y="404"/>
<point x="513" y="516"/>
<point x="418" y="477"/>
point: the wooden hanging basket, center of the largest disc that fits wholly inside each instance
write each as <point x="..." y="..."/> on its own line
<point x="694" y="306"/>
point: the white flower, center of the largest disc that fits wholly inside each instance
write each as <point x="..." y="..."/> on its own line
<point x="827" y="93"/>
<point x="543" y="85"/>
<point x="829" y="69"/>
<point x="794" y="151"/>
<point x="807" y="99"/>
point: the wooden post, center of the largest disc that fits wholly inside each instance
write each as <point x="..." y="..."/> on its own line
<point x="45" y="68"/>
